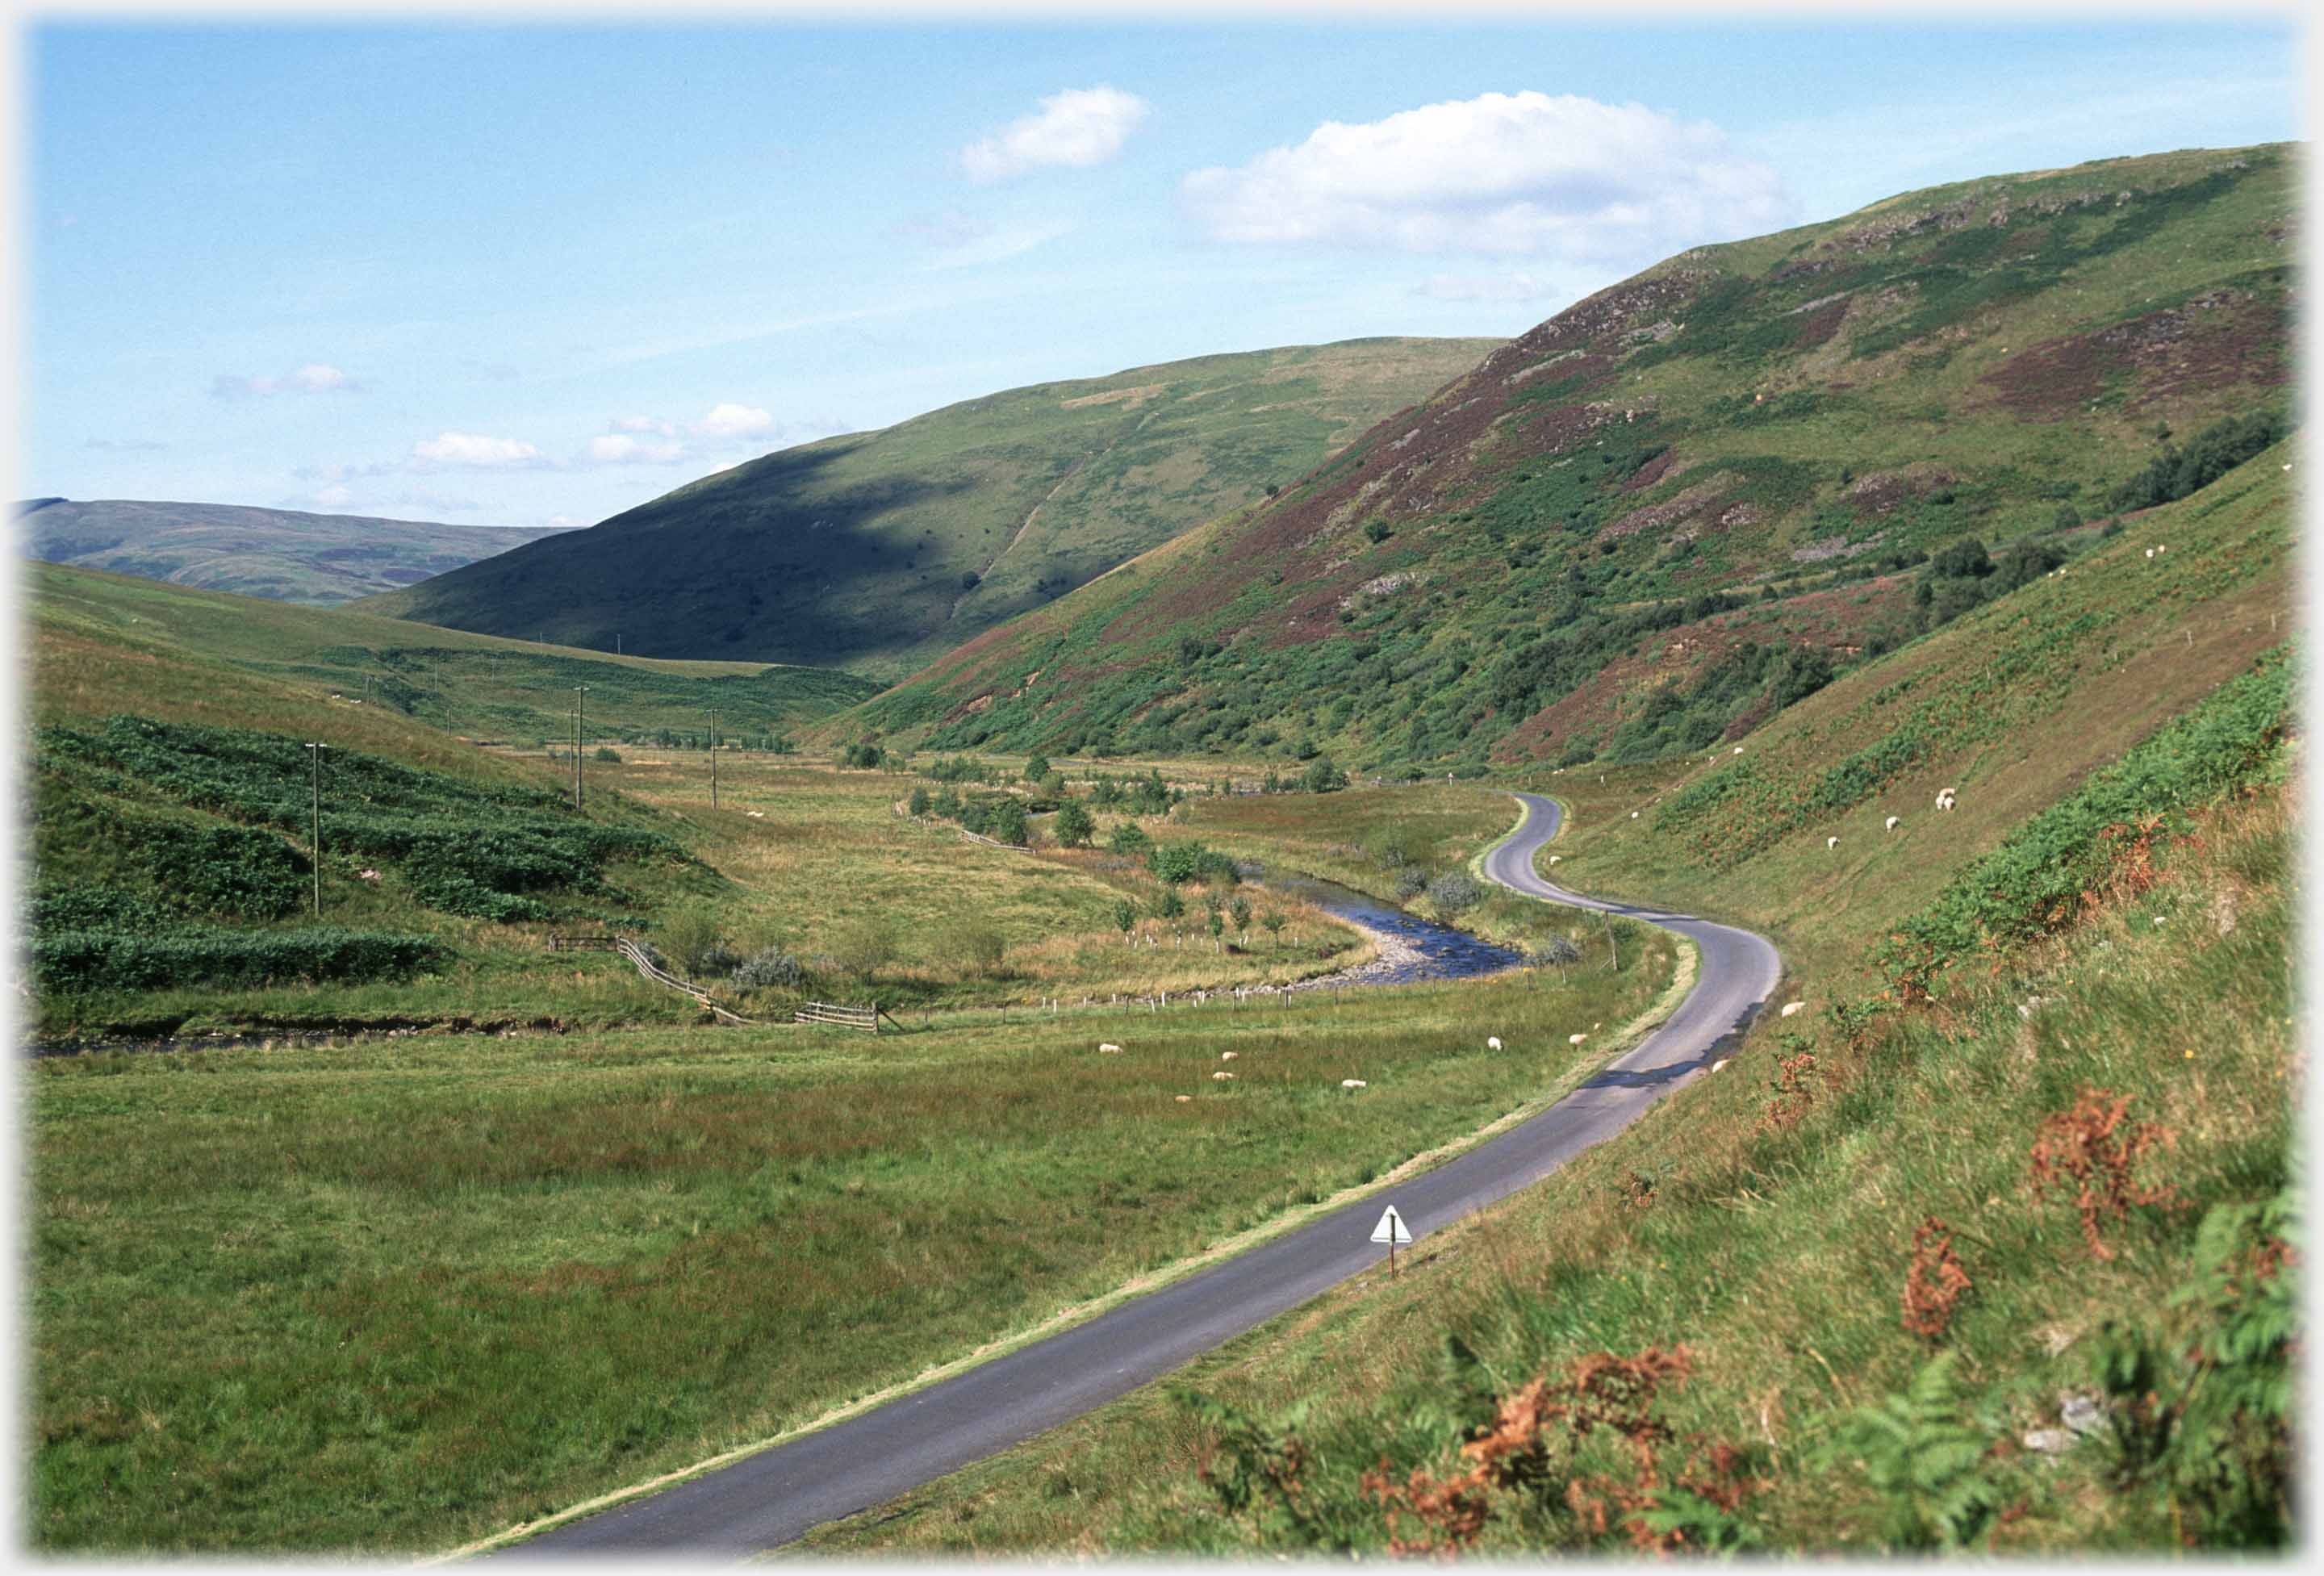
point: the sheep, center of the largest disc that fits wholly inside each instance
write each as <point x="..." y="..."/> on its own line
<point x="1634" y="815"/>
<point x="1944" y="798"/>
<point x="1720" y="1062"/>
<point x="1220" y="1077"/>
<point x="1555" y="858"/>
<point x="1832" y="842"/>
<point x="1492" y="1042"/>
<point x="1739" y="750"/>
<point x="756" y="815"/>
<point x="2150" y="552"/>
<point x="2161" y="547"/>
<point x="1892" y="822"/>
<point x="1353" y="1083"/>
<point x="1229" y="1055"/>
<point x="1186" y="1099"/>
<point x="1108" y="1048"/>
<point x="1575" y="1039"/>
<point x="1792" y="1006"/>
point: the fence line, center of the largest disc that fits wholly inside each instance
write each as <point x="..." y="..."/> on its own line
<point x="841" y="1015"/>
<point x="646" y="965"/>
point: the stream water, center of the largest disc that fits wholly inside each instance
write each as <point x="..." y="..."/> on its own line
<point x="1430" y="950"/>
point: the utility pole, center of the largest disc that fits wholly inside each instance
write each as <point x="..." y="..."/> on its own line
<point x="580" y="700"/>
<point x="1613" y="945"/>
<point x="315" y="757"/>
<point x="714" y="758"/>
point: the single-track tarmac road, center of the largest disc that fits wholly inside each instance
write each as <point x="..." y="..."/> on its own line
<point x="768" y="1499"/>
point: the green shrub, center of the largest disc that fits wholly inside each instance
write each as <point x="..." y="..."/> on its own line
<point x="1072" y="824"/>
<point x="157" y="959"/>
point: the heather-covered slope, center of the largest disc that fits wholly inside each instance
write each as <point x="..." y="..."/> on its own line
<point x="282" y="554"/>
<point x="1686" y="501"/>
<point x="878" y="552"/>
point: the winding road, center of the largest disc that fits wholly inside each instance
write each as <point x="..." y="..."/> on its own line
<point x="767" y="1499"/>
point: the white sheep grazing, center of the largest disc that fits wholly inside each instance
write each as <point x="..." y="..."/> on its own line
<point x="1892" y="822"/>
<point x="1555" y="857"/>
<point x="1634" y="815"/>
<point x="1492" y="1042"/>
<point x="1220" y="1077"/>
<point x="2163" y="547"/>
<point x="1229" y="1055"/>
<point x="1739" y="750"/>
<point x="1720" y="1062"/>
<point x="1575" y="1039"/>
<point x="1186" y="1099"/>
<point x="1108" y="1048"/>
<point x="1832" y="842"/>
<point x="2150" y="552"/>
<point x="1792" y="1006"/>
<point x="1353" y="1083"/>
<point x="1944" y="798"/>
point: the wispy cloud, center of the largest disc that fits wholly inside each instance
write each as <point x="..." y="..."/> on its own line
<point x="1502" y="174"/>
<point x="314" y="378"/>
<point x="473" y="451"/>
<point x="1075" y="129"/>
<point x="127" y="445"/>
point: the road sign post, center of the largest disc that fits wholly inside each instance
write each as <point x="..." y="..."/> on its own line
<point x="1391" y="1230"/>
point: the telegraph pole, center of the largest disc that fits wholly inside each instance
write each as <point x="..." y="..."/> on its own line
<point x="315" y="757"/>
<point x="580" y="701"/>
<point x="714" y="758"/>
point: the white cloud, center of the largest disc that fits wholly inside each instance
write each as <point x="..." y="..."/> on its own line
<point x="1506" y="174"/>
<point x="645" y="424"/>
<point x="1520" y="286"/>
<point x="314" y="378"/>
<point x="1077" y="128"/>
<point x="619" y="448"/>
<point x="127" y="445"/>
<point x="565" y="523"/>
<point x="466" y="449"/>
<point x="997" y="246"/>
<point x="335" y="496"/>
<point x="732" y="420"/>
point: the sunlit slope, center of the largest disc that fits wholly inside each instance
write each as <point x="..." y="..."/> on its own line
<point x="283" y="554"/>
<point x="880" y="550"/>
<point x="102" y="640"/>
<point x="1757" y="444"/>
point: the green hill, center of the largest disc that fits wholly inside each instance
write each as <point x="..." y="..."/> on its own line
<point x="879" y="551"/>
<point x="317" y="559"/>
<point x="1685" y="501"/>
<point x="93" y="632"/>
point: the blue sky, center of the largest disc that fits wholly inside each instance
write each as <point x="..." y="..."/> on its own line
<point x="523" y="274"/>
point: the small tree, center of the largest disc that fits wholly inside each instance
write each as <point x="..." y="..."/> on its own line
<point x="1562" y="952"/>
<point x="919" y="802"/>
<point x="1006" y="822"/>
<point x="1273" y="923"/>
<point x="861" y="948"/>
<point x="1240" y="911"/>
<point x="1218" y="925"/>
<point x="977" y="948"/>
<point x="1169" y="905"/>
<point x="1037" y="767"/>
<point x="1125" y="916"/>
<point x="1323" y="778"/>
<point x="1130" y="839"/>
<point x="1072" y="824"/>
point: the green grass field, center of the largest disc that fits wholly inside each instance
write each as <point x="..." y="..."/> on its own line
<point x="586" y="1260"/>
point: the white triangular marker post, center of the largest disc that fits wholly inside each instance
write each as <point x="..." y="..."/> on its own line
<point x="1391" y="1230"/>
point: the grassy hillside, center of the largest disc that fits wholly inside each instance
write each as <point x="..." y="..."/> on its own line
<point x="879" y="551"/>
<point x="315" y="559"/>
<point x="1991" y="1246"/>
<point x="476" y="685"/>
<point x="1683" y="502"/>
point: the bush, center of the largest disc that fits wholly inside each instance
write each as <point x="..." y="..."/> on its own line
<point x="1130" y="838"/>
<point x="696" y="938"/>
<point x="1006" y="822"/>
<point x="153" y="960"/>
<point x="1410" y="882"/>
<point x="605" y="753"/>
<point x="919" y="803"/>
<point x="771" y="968"/>
<point x="1072" y="824"/>
<point x="1454" y="892"/>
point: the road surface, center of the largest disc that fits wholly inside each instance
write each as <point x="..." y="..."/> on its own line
<point x="768" y="1499"/>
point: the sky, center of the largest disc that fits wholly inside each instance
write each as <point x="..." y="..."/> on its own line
<point x="528" y="273"/>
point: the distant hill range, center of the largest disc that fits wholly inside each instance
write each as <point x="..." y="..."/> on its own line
<point x="878" y="552"/>
<point x="1681" y="504"/>
<point x="281" y="554"/>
